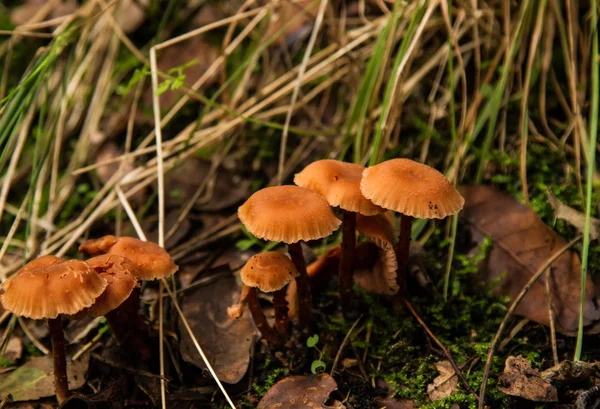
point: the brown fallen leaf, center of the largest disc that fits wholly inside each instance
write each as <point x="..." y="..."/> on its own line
<point x="522" y="243"/>
<point x="445" y="384"/>
<point x="391" y="403"/>
<point x="225" y="342"/>
<point x="572" y="216"/>
<point x="571" y="372"/>
<point x="520" y="379"/>
<point x="299" y="392"/>
<point x="34" y="379"/>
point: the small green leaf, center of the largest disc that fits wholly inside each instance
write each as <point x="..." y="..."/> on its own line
<point x="163" y="87"/>
<point x="244" y="244"/>
<point x="312" y="341"/>
<point x="317" y="367"/>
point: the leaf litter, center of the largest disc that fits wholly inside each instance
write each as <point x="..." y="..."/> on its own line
<point x="300" y="392"/>
<point x="226" y="342"/>
<point x="522" y="242"/>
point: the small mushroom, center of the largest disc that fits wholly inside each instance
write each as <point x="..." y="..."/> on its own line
<point x="49" y="287"/>
<point x="145" y="261"/>
<point x="339" y="183"/>
<point x="413" y="190"/>
<point x="290" y="214"/>
<point x="380" y="276"/>
<point x="270" y="272"/>
<point x="153" y="261"/>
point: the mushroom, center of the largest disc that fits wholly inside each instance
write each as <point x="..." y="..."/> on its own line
<point x="270" y="272"/>
<point x="290" y="214"/>
<point x="148" y="261"/>
<point x="48" y="287"/>
<point x="413" y="190"/>
<point x="380" y="276"/>
<point x="339" y="183"/>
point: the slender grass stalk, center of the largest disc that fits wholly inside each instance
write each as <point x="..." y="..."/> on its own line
<point x="390" y="88"/>
<point x="452" y="120"/>
<point x="491" y="108"/>
<point x="590" y="175"/>
<point x="366" y="90"/>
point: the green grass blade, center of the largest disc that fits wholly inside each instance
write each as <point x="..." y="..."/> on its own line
<point x="591" y="160"/>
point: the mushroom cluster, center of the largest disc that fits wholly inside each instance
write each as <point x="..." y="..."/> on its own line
<point x="292" y="214"/>
<point x="105" y="285"/>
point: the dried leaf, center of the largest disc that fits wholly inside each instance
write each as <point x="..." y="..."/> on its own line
<point x="570" y="372"/>
<point x="391" y="403"/>
<point x="445" y="384"/>
<point x="35" y="379"/>
<point x="299" y="392"/>
<point x="225" y="342"/>
<point x="572" y="216"/>
<point x="522" y="243"/>
<point x="520" y="379"/>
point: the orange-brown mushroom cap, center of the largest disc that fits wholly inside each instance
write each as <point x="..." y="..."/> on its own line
<point x="46" y="288"/>
<point x="269" y="271"/>
<point x="411" y="188"/>
<point x="339" y="183"/>
<point x="119" y="273"/>
<point x="153" y="261"/>
<point x="288" y="214"/>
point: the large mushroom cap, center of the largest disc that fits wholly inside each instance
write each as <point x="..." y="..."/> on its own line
<point x="269" y="271"/>
<point x="49" y="287"/>
<point x="119" y="273"/>
<point x="153" y="261"/>
<point x="339" y="183"/>
<point x="411" y="188"/>
<point x="288" y="214"/>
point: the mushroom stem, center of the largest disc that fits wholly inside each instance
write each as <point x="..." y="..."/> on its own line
<point x="281" y="311"/>
<point x="303" y="284"/>
<point x="402" y="250"/>
<point x="347" y="259"/>
<point x="259" y="318"/>
<point x="130" y="329"/>
<point x="57" y="336"/>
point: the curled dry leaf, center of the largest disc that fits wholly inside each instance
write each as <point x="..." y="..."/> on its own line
<point x="520" y="379"/>
<point x="445" y="384"/>
<point x="35" y="380"/>
<point x="299" y="392"/>
<point x="572" y="216"/>
<point x="522" y="243"/>
<point x="225" y="342"/>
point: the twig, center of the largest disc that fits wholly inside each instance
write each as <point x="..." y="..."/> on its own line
<point x="533" y="279"/>
<point x="447" y="353"/>
<point x="551" y="318"/>
<point x="346" y="338"/>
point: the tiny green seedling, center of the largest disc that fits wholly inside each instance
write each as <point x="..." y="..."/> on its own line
<point x="318" y="365"/>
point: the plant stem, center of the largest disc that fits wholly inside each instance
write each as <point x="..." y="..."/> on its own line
<point x="303" y="285"/>
<point x="281" y="311"/>
<point x="259" y="318"/>
<point x="61" y="383"/>
<point x="347" y="259"/>
<point x="402" y="250"/>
